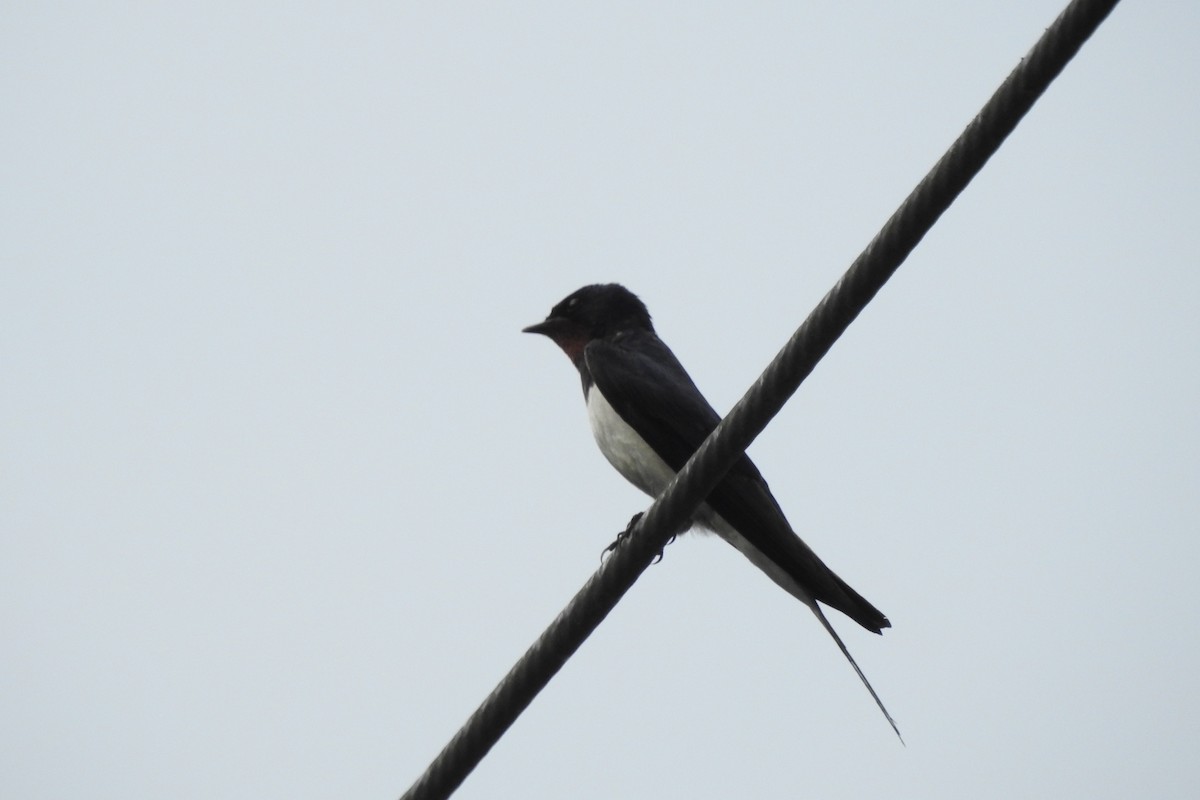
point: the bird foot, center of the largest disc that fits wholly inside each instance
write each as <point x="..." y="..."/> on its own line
<point x="622" y="536"/>
<point x="625" y="534"/>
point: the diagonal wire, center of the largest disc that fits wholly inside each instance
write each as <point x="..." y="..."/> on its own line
<point x="866" y="276"/>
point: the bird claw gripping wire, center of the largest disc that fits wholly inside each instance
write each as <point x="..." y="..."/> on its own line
<point x="623" y="535"/>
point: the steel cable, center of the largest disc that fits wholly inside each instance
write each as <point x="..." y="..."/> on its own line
<point x="832" y="315"/>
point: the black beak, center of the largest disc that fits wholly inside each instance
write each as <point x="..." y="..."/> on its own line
<point x="546" y="327"/>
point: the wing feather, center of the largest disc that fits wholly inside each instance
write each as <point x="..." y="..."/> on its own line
<point x="648" y="387"/>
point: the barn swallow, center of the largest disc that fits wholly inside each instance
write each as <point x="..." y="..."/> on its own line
<point x="648" y="418"/>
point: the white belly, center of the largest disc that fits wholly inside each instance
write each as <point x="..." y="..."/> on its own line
<point x="624" y="448"/>
<point x="628" y="452"/>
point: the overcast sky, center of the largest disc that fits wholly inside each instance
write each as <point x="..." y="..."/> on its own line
<point x="285" y="490"/>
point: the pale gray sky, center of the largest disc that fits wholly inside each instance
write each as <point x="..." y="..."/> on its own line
<point x="285" y="491"/>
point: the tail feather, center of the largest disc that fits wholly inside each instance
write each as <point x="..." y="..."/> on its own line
<point x="852" y="604"/>
<point x="846" y="652"/>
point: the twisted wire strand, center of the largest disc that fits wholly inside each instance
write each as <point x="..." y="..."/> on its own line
<point x="824" y="325"/>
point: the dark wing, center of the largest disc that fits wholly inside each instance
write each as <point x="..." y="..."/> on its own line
<point x="652" y="392"/>
<point x="648" y="387"/>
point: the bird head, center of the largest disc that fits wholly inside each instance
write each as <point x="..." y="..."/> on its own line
<point x="597" y="311"/>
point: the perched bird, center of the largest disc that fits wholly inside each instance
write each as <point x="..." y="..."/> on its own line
<point x="648" y="418"/>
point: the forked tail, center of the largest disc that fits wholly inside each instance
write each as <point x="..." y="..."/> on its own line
<point x="825" y="622"/>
